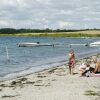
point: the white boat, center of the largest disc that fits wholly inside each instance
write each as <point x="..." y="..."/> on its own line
<point x="94" y="44"/>
<point x="77" y="44"/>
<point x="33" y="44"/>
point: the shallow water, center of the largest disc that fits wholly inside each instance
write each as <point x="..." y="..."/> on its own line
<point x="24" y="60"/>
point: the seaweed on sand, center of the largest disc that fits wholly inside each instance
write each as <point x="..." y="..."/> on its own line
<point x="4" y="85"/>
<point x="41" y="76"/>
<point x="23" y="79"/>
<point x="52" y="70"/>
<point x="9" y="96"/>
<point x="29" y="82"/>
<point x="92" y="93"/>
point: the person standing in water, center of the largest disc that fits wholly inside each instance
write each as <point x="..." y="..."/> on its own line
<point x="71" y="61"/>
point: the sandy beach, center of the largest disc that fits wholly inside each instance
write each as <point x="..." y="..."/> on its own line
<point x="52" y="84"/>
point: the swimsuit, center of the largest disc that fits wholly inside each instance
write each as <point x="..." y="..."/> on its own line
<point x="71" y="63"/>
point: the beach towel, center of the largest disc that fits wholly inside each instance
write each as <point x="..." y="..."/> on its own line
<point x="97" y="75"/>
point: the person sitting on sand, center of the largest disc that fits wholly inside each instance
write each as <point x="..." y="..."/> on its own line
<point x="71" y="61"/>
<point x="97" y="65"/>
<point x="82" y="68"/>
<point x="85" y="69"/>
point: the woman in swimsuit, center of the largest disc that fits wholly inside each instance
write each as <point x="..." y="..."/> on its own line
<point x="71" y="61"/>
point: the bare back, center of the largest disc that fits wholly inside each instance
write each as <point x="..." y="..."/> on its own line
<point x="97" y="67"/>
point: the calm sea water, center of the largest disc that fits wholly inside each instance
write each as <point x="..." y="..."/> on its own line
<point x="25" y="60"/>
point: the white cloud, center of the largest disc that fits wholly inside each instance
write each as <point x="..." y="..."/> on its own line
<point x="63" y="24"/>
<point x="44" y="1"/>
<point x="49" y="13"/>
<point x="4" y="23"/>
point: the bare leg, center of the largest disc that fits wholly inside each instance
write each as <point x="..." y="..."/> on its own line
<point x="70" y="69"/>
<point x="81" y="72"/>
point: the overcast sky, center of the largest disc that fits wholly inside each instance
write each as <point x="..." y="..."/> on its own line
<point x="64" y="14"/>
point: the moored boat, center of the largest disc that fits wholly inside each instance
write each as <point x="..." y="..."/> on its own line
<point x="33" y="44"/>
<point x="94" y="44"/>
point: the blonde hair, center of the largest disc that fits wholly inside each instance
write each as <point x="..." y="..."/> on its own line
<point x="94" y="58"/>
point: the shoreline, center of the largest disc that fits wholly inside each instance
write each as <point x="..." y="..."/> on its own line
<point x="29" y="71"/>
<point x="23" y="36"/>
<point x="53" y="83"/>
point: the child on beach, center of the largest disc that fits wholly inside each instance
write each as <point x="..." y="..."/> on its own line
<point x="82" y="68"/>
<point x="85" y="69"/>
<point x="71" y="61"/>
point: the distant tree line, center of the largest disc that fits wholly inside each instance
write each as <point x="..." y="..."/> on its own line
<point x="14" y="31"/>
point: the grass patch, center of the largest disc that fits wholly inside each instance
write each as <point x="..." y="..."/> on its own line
<point x="57" y="34"/>
<point x="91" y="93"/>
